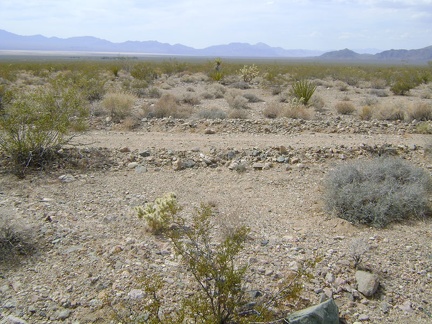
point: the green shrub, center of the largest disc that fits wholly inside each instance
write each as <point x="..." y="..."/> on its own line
<point x="402" y="87"/>
<point x="378" y="192"/>
<point x="220" y="281"/>
<point x="216" y="76"/>
<point x="34" y="124"/>
<point x="423" y="128"/>
<point x="303" y="90"/>
<point x="144" y="72"/>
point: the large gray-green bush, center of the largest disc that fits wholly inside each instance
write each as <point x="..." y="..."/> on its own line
<point x="378" y="191"/>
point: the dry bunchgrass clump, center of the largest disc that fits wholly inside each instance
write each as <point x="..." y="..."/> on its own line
<point x="318" y="103"/>
<point x="273" y="110"/>
<point x="381" y="93"/>
<point x="212" y="113"/>
<point x="15" y="239"/>
<point x="216" y="91"/>
<point x="345" y="108"/>
<point x="390" y="112"/>
<point x="237" y="114"/>
<point x="118" y="104"/>
<point x="190" y="99"/>
<point x="168" y="106"/>
<point x="420" y="111"/>
<point x="296" y="112"/>
<point x="366" y="113"/>
<point x="252" y="98"/>
<point x="236" y="100"/>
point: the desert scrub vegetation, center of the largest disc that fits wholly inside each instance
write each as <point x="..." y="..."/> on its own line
<point x="390" y="112"/>
<point x="15" y="239"/>
<point x="345" y="108"/>
<point x="303" y="91"/>
<point x="168" y="106"/>
<point x="35" y="123"/>
<point x="248" y="72"/>
<point x="236" y="100"/>
<point x="212" y="113"/>
<point x="118" y="105"/>
<point x="220" y="280"/>
<point x="377" y="192"/>
<point x="209" y="250"/>
<point x="421" y="111"/>
<point x="294" y="109"/>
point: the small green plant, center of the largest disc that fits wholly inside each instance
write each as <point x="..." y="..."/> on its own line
<point x="423" y="128"/>
<point x="249" y="72"/>
<point x="378" y="192"/>
<point x="303" y="90"/>
<point x="217" y="76"/>
<point x="219" y="279"/>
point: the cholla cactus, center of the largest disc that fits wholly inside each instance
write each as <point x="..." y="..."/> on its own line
<point x="159" y="214"/>
<point x="248" y="72"/>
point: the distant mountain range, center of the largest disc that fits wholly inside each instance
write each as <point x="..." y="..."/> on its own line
<point x="421" y="55"/>
<point x="10" y="41"/>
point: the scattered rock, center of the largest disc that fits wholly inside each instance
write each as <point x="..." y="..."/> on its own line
<point x="66" y="178"/>
<point x="63" y="314"/>
<point x="367" y="282"/>
<point x="13" y="320"/>
<point x="326" y="312"/>
<point x="406" y="307"/>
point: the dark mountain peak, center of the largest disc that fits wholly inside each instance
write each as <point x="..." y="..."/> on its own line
<point x="341" y="54"/>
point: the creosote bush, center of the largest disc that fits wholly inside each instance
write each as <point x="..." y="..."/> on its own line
<point x="34" y="124"/>
<point x="378" y="192"/>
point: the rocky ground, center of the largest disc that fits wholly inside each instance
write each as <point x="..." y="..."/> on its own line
<point x="87" y="249"/>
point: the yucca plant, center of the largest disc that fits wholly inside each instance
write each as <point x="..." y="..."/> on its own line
<point x="303" y="90"/>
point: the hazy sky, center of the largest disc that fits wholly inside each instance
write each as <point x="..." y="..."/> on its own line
<point x="291" y="24"/>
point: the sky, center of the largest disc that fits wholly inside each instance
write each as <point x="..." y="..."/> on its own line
<point x="290" y="24"/>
